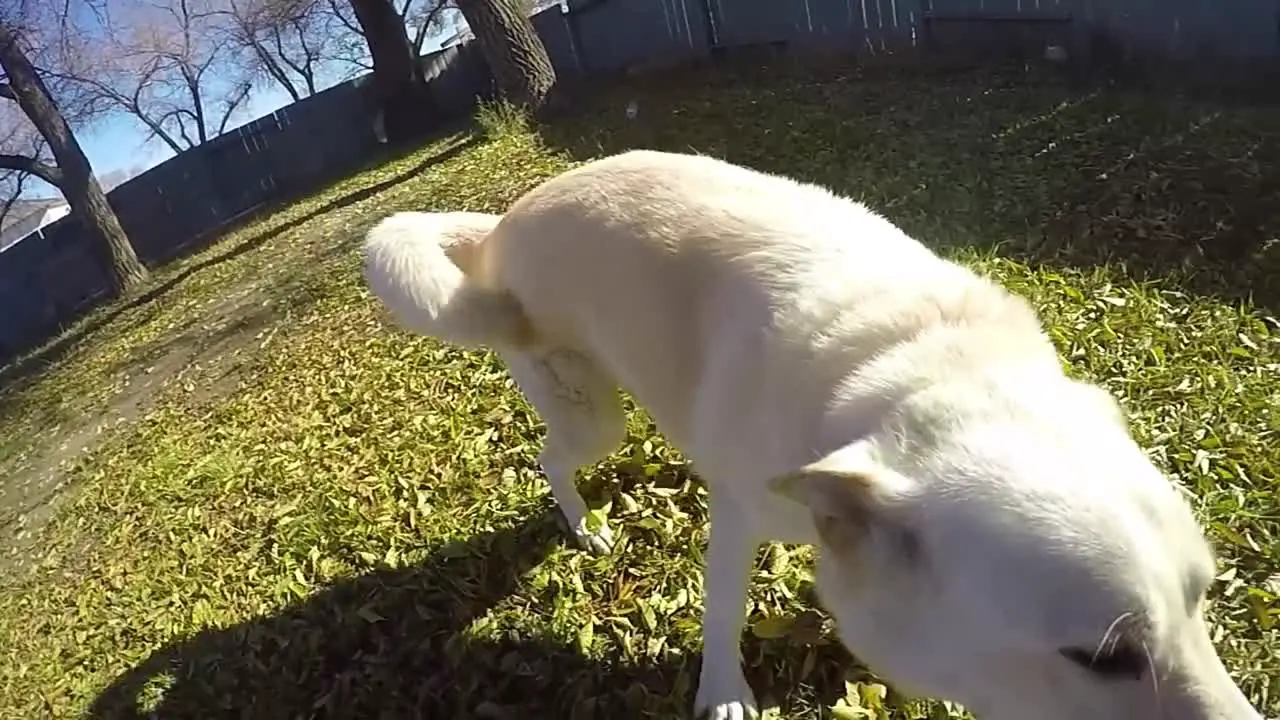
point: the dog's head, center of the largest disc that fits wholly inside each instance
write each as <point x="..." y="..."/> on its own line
<point x="1022" y="558"/>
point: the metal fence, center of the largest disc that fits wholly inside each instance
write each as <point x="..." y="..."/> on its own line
<point x="48" y="280"/>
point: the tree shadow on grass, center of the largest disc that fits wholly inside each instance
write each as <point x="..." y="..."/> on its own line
<point x="408" y="642"/>
<point x="1023" y="160"/>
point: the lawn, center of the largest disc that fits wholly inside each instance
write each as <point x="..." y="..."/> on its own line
<point x="284" y="508"/>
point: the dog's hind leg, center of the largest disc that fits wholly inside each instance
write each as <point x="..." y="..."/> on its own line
<point x="580" y="406"/>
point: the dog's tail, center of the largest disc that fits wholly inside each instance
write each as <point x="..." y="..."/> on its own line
<point x="424" y="267"/>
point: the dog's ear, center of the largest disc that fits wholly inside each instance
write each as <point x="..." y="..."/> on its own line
<point x="849" y="493"/>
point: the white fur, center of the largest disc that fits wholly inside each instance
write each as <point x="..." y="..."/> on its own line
<point x="977" y="513"/>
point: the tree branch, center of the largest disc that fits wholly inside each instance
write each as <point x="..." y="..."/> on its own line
<point x="18" y="186"/>
<point x="232" y="103"/>
<point x="273" y="68"/>
<point x="351" y="25"/>
<point x="284" y="55"/>
<point x="156" y="127"/>
<point x="6" y="92"/>
<point x="178" y="114"/>
<point x="31" y="166"/>
<point x="307" y="67"/>
<point x="433" y="15"/>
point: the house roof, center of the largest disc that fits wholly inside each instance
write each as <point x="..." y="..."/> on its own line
<point x="24" y="208"/>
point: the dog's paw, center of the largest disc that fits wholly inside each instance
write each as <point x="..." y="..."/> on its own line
<point x="597" y="542"/>
<point x="726" y="700"/>
<point x="729" y="711"/>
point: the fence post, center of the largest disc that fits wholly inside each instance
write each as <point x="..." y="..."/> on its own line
<point x="570" y="16"/>
<point x="713" y="24"/>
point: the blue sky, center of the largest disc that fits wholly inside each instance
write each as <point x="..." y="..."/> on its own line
<point x="119" y="141"/>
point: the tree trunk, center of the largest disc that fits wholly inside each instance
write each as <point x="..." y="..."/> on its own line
<point x="74" y="176"/>
<point x="511" y="46"/>
<point x="398" y="82"/>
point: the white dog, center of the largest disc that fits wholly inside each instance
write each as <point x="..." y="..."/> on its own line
<point x="987" y="530"/>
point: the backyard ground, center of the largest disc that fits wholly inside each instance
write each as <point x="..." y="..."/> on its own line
<point x="243" y="495"/>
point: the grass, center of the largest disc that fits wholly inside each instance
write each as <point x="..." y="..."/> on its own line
<point x="311" y="514"/>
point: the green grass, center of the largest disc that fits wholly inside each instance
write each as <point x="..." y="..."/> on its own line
<point x="317" y="515"/>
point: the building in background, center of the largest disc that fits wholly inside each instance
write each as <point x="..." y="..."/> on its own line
<point x="29" y="216"/>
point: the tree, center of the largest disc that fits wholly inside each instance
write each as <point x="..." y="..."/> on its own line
<point x="399" y="85"/>
<point x="161" y="66"/>
<point x="424" y="16"/>
<point x="511" y="46"/>
<point x="350" y="53"/>
<point x="70" y="171"/>
<point x="292" y="42"/>
<point x="19" y="139"/>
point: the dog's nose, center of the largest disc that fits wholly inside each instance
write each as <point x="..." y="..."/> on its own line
<point x="1210" y="693"/>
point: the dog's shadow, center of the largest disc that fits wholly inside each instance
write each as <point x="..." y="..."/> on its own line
<point x="394" y="643"/>
<point x="412" y="643"/>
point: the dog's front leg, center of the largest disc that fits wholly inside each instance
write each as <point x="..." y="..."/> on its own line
<point x="560" y="475"/>
<point x="723" y="692"/>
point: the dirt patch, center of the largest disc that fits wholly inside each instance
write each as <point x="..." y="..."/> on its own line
<point x="216" y="351"/>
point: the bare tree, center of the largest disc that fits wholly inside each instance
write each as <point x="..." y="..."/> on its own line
<point x="424" y="16"/>
<point x="65" y="165"/>
<point x="295" y="43"/>
<point x="164" y="65"/>
<point x="511" y="46"/>
<point x="18" y="137"/>
<point x="12" y="187"/>
<point x="352" y="48"/>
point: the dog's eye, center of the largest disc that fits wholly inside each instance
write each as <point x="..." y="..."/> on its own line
<point x="1120" y="663"/>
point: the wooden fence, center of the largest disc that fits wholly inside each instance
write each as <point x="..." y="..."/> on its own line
<point x="49" y="279"/>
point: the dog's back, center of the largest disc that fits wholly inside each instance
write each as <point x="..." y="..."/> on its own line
<point x="733" y="303"/>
